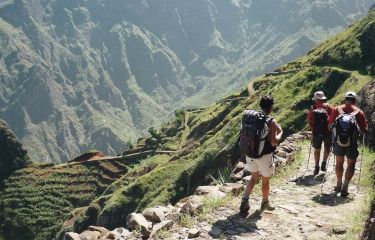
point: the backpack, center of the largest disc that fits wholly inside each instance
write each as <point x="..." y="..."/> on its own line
<point x="254" y="132"/>
<point x="320" y="116"/>
<point x="344" y="128"/>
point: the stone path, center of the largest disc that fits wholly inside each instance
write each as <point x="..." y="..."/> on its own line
<point x="302" y="212"/>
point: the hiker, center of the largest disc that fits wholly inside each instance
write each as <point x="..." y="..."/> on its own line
<point x="348" y="122"/>
<point x="317" y="118"/>
<point x="260" y="134"/>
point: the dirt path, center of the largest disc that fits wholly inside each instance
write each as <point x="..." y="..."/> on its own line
<point x="302" y="212"/>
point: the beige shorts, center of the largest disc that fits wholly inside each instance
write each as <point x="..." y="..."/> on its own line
<point x="264" y="165"/>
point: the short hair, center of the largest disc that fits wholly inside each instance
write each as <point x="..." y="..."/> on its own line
<point x="266" y="102"/>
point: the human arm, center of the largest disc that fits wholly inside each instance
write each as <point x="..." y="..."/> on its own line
<point x="276" y="133"/>
<point x="310" y="119"/>
<point x="332" y="117"/>
<point x="362" y="122"/>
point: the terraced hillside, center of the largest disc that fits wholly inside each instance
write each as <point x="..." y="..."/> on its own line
<point x="42" y="196"/>
<point x="198" y="143"/>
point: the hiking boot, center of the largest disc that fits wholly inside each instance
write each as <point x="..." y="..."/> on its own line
<point x="245" y="206"/>
<point x="337" y="188"/>
<point x="324" y="166"/>
<point x="266" y="206"/>
<point x="316" y="171"/>
<point x="344" y="194"/>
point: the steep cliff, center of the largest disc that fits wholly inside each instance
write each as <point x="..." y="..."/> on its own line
<point x="80" y="75"/>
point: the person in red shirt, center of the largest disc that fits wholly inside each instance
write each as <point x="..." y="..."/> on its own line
<point x="349" y="110"/>
<point x="317" y="117"/>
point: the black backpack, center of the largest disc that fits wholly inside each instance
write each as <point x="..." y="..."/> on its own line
<point x="320" y="116"/>
<point x="254" y="132"/>
<point x="345" y="128"/>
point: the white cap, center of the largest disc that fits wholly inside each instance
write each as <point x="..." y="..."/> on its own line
<point x="319" y="95"/>
<point x="352" y="95"/>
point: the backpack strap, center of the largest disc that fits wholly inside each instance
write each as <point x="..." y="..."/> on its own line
<point x="354" y="113"/>
<point x="340" y="110"/>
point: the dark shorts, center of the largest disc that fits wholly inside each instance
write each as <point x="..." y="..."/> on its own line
<point x="318" y="140"/>
<point x="350" y="152"/>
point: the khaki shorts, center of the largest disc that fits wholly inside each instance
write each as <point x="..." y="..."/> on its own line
<point x="264" y="165"/>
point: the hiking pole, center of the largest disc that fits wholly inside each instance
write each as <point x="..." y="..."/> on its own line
<point x="329" y="174"/>
<point x="308" y="163"/>
<point x="360" y="166"/>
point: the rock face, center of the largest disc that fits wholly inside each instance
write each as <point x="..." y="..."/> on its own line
<point x="80" y="75"/>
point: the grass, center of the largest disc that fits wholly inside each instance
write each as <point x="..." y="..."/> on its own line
<point x="367" y="186"/>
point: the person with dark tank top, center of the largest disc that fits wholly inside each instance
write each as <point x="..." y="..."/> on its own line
<point x="264" y="165"/>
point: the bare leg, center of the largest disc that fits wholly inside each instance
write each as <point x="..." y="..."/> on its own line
<point x="317" y="156"/>
<point x="349" y="173"/>
<point x="265" y="188"/>
<point x="339" y="169"/>
<point x="326" y="154"/>
<point x="251" y="184"/>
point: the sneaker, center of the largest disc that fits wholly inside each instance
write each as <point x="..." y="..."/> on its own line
<point x="316" y="171"/>
<point x="324" y="167"/>
<point x="266" y="206"/>
<point x="245" y="206"/>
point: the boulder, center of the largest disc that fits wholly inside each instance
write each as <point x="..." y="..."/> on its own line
<point x="89" y="235"/>
<point x="164" y="225"/>
<point x="103" y="231"/>
<point x="234" y="188"/>
<point x="191" y="205"/>
<point x="238" y="175"/>
<point x="239" y="167"/>
<point x="72" y="236"/>
<point x="194" y="233"/>
<point x="154" y="215"/>
<point x="281" y="154"/>
<point x="117" y="234"/>
<point x="136" y="220"/>
<point x="210" y="191"/>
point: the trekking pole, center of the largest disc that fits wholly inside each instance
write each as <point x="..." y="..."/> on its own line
<point x="329" y="174"/>
<point x="360" y="166"/>
<point x="308" y="163"/>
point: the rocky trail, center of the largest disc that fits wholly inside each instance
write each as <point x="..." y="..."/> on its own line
<point x="304" y="210"/>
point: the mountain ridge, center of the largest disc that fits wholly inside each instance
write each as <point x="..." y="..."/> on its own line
<point x="81" y="75"/>
<point x="199" y="142"/>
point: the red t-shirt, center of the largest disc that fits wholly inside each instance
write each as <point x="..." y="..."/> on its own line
<point x="349" y="108"/>
<point x="310" y="119"/>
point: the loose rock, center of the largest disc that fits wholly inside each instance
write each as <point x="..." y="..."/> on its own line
<point x="194" y="233"/>
<point x="71" y="236"/>
<point x="154" y="215"/>
<point x="136" y="220"/>
<point x="90" y="235"/>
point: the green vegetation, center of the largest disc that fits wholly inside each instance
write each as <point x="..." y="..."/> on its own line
<point x="12" y="155"/>
<point x="80" y="193"/>
<point x="367" y="185"/>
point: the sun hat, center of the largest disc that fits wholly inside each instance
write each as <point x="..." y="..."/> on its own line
<point x="319" y="95"/>
<point x="351" y="95"/>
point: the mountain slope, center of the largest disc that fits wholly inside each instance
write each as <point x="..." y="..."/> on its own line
<point x="184" y="153"/>
<point x="79" y="75"/>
